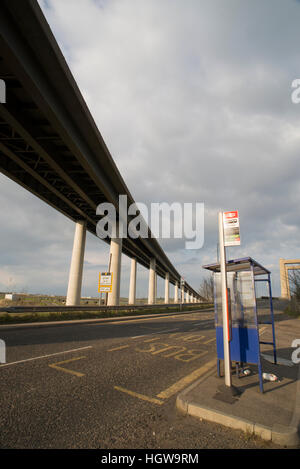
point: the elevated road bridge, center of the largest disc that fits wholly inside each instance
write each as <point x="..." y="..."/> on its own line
<point x="51" y="146"/>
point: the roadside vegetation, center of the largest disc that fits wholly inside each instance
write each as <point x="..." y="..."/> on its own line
<point x="21" y="318"/>
<point x="293" y="308"/>
<point x="206" y="289"/>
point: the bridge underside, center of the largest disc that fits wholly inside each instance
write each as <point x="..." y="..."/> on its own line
<point x="49" y="142"/>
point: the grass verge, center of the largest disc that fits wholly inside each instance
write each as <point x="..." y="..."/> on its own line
<point x="23" y="318"/>
<point x="292" y="312"/>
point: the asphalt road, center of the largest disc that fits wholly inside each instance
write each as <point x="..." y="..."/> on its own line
<point x="108" y="385"/>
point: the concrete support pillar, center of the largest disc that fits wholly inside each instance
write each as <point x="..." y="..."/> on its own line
<point x="152" y="282"/>
<point x="76" y="269"/>
<point x="167" y="294"/>
<point x="132" y="285"/>
<point x="115" y="268"/>
<point x="182" y="295"/>
<point x="187" y="297"/>
<point x="176" y="292"/>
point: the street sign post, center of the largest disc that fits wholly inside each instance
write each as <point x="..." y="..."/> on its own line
<point x="231" y="226"/>
<point x="105" y="282"/>
<point x="229" y="235"/>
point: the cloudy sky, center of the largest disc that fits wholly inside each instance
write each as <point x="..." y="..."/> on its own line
<point x="193" y="99"/>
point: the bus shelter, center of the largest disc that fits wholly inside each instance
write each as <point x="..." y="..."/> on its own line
<point x="242" y="276"/>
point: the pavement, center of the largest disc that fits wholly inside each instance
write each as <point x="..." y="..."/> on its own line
<point x="273" y="415"/>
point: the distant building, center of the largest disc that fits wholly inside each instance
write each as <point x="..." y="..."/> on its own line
<point x="11" y="296"/>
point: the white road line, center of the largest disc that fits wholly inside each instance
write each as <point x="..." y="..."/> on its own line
<point x="45" y="356"/>
<point x="155" y="333"/>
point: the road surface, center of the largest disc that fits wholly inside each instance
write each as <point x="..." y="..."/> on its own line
<point x="109" y="384"/>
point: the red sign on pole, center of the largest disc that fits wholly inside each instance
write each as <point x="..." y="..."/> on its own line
<point x="231" y="227"/>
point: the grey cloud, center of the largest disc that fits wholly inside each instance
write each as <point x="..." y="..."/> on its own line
<point x="193" y="101"/>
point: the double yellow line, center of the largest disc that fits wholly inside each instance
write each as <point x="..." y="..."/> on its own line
<point x="174" y="389"/>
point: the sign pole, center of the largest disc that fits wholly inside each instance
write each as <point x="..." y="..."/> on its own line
<point x="226" y="335"/>
<point x="100" y="298"/>
<point x="105" y="284"/>
<point x="109" y="265"/>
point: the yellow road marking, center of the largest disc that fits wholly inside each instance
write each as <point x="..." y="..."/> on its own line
<point x="152" y="340"/>
<point x="166" y="347"/>
<point x="150" y="350"/>
<point x="189" y="338"/>
<point x="118" y="348"/>
<point x="194" y="338"/>
<point x="182" y="383"/>
<point x="57" y="367"/>
<point x="190" y="354"/>
<point x="139" y="396"/>
<point x="46" y="356"/>
<point x="181" y="349"/>
<point x="208" y="341"/>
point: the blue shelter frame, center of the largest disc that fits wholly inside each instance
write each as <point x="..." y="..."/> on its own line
<point x="242" y="275"/>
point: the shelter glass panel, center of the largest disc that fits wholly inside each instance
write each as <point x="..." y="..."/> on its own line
<point x="242" y="298"/>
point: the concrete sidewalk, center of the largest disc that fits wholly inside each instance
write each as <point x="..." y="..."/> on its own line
<point x="273" y="415"/>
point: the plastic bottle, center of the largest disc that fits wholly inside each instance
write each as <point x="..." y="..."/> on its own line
<point x="269" y="377"/>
